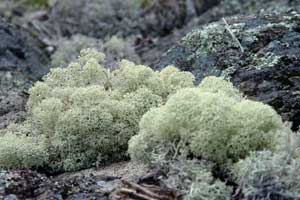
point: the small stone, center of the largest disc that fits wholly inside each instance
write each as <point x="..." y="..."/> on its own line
<point x="11" y="197"/>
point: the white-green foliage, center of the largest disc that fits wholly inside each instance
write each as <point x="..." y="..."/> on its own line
<point x="212" y="121"/>
<point x="87" y="113"/>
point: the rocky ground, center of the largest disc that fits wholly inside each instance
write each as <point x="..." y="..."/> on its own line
<point x="104" y="183"/>
<point x="22" y="61"/>
<point x="256" y="46"/>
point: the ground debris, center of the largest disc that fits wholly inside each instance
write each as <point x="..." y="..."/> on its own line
<point x="133" y="191"/>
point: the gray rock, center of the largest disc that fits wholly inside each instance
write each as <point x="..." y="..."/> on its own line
<point x="11" y="197"/>
<point x="30" y="185"/>
<point x="22" y="61"/>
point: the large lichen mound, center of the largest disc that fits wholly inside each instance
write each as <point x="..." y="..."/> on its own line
<point x="211" y="121"/>
<point x="84" y="115"/>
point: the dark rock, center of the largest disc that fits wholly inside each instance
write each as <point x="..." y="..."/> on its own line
<point x="22" y="61"/>
<point x="20" y="52"/>
<point x="202" y="6"/>
<point x="25" y="184"/>
<point x="264" y="64"/>
<point x="30" y="185"/>
<point x="12" y="108"/>
<point x="165" y="16"/>
<point x="162" y="17"/>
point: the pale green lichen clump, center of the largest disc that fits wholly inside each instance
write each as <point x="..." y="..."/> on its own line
<point x="265" y="174"/>
<point x="195" y="181"/>
<point x="85" y="114"/>
<point x="271" y="175"/>
<point x="211" y="121"/>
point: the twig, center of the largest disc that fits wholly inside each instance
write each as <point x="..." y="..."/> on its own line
<point x="232" y="35"/>
<point x="139" y="188"/>
<point x="135" y="195"/>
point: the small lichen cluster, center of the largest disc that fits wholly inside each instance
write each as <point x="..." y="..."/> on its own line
<point x="216" y="190"/>
<point x="68" y="50"/>
<point x="85" y="114"/>
<point x="211" y="39"/>
<point x="114" y="48"/>
<point x="117" y="48"/>
<point x="211" y="121"/>
<point x="193" y="180"/>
